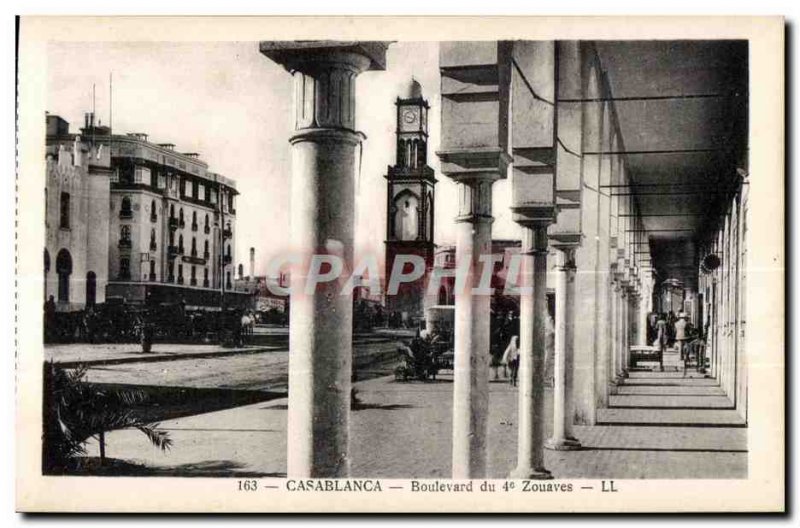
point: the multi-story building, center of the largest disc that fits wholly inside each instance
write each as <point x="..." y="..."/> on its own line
<point x="169" y="222"/>
<point x="77" y="193"/>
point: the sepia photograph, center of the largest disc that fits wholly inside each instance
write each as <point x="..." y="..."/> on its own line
<point x="500" y="266"/>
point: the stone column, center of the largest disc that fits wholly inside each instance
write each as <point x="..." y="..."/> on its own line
<point x="644" y="309"/>
<point x="472" y="331"/>
<point x="563" y="399"/>
<point x="322" y="197"/>
<point x="623" y="341"/>
<point x="533" y="311"/>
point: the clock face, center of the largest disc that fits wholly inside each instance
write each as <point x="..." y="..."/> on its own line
<point x="410" y="116"/>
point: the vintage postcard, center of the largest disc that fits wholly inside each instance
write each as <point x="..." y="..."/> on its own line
<point x="353" y="264"/>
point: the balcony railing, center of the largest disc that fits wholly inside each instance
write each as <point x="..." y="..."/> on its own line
<point x="172" y="252"/>
<point x="154" y="218"/>
<point x="227" y="259"/>
<point x="126" y="213"/>
<point x="227" y="233"/>
<point x="124" y="244"/>
<point x="124" y="275"/>
<point x="173" y="223"/>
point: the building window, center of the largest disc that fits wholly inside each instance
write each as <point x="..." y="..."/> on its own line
<point x="64" y="223"/>
<point x="205" y="277"/>
<point x="180" y="244"/>
<point x="171" y="272"/>
<point x="91" y="288"/>
<point x="193" y="280"/>
<point x="228" y="279"/>
<point x="152" y="276"/>
<point x="125" y="236"/>
<point x="194" y="220"/>
<point x="64" y="270"/>
<point x="125" y="210"/>
<point x="206" y="254"/>
<point x="124" y="268"/>
<point x="153" y="245"/>
<point x="194" y="247"/>
<point x="46" y="268"/>
<point x="206" y="227"/>
<point x="180" y="217"/>
<point x="153" y="213"/>
<point x="180" y="273"/>
<point x="171" y="210"/>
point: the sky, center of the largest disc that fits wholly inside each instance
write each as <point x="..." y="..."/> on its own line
<point x="233" y="105"/>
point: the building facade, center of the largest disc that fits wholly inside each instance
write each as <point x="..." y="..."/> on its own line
<point x="167" y="224"/>
<point x="77" y="193"/>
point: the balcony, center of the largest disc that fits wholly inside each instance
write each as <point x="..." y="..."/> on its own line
<point x="227" y="259"/>
<point x="126" y="213"/>
<point x="173" y="223"/>
<point x="124" y="244"/>
<point x="227" y="233"/>
<point x="194" y="260"/>
<point x="154" y="218"/>
<point x="194" y="227"/>
<point x="172" y="252"/>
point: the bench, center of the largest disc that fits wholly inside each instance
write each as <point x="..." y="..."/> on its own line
<point x="640" y="353"/>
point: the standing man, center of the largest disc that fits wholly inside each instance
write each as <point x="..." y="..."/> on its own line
<point x="681" y="335"/>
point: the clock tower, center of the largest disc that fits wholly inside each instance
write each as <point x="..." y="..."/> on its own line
<point x="410" y="199"/>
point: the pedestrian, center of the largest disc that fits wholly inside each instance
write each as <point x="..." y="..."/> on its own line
<point x="661" y="337"/>
<point x="511" y="358"/>
<point x="681" y="334"/>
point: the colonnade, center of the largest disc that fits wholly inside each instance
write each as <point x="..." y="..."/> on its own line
<point x="723" y="301"/>
<point x="541" y="111"/>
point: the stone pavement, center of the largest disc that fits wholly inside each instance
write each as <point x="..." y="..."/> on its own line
<point x="119" y="353"/>
<point x="403" y="430"/>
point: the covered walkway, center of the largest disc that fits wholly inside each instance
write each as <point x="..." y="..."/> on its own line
<point x="628" y="164"/>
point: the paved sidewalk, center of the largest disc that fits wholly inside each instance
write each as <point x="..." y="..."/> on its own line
<point x="404" y="431"/>
<point x="119" y="353"/>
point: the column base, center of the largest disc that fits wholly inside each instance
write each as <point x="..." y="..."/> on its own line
<point x="563" y="444"/>
<point x="530" y="474"/>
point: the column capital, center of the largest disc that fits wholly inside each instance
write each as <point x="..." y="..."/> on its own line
<point x="324" y="75"/>
<point x="474" y="163"/>
<point x="565" y="257"/>
<point x="310" y="54"/>
<point x="534" y="238"/>
<point x="534" y="216"/>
